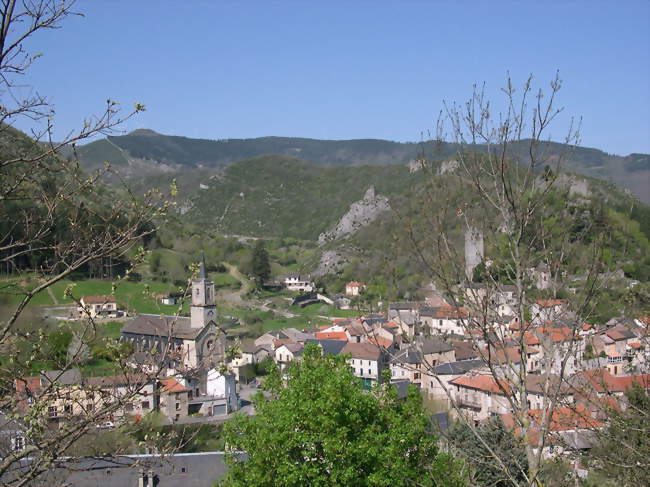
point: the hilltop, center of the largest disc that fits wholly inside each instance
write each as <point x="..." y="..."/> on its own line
<point x="145" y="152"/>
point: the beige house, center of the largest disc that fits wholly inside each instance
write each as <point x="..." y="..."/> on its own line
<point x="480" y="396"/>
<point x="97" y="306"/>
<point x="353" y="288"/>
<point x="436" y="381"/>
<point x="68" y="395"/>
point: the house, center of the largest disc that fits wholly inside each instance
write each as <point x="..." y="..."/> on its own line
<point x="287" y="353"/>
<point x="98" y="306"/>
<point x="435" y="382"/>
<point x="480" y="396"/>
<point x="444" y="320"/>
<point x="408" y="365"/>
<point x="67" y="395"/>
<point x="435" y="351"/>
<point x="570" y="429"/>
<point x="173" y="399"/>
<point x="602" y="383"/>
<point x="406" y="315"/>
<point x="354" y="288"/>
<point x="367" y="361"/>
<point x="548" y="310"/>
<point x="296" y="282"/>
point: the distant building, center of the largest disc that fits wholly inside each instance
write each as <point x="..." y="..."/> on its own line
<point x="354" y="288"/>
<point x="296" y="282"/>
<point x="97" y="306"/>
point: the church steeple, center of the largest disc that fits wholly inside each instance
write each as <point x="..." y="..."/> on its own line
<point x="203" y="309"/>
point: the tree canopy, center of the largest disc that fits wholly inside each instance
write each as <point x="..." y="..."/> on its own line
<point x="321" y="429"/>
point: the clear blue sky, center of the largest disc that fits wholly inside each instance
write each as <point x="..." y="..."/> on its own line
<point x="345" y="70"/>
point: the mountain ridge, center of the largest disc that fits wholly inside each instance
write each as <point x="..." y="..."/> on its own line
<point x="145" y="151"/>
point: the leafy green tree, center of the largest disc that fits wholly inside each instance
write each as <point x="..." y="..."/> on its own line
<point x="623" y="451"/>
<point x="471" y="444"/>
<point x="260" y="265"/>
<point x="321" y="429"/>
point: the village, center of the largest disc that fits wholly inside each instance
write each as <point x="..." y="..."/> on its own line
<point x="190" y="369"/>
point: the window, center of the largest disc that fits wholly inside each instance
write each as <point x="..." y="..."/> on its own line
<point x="128" y="407"/>
<point x="67" y="409"/>
<point x="52" y="412"/>
<point x="178" y="406"/>
<point x="145" y="404"/>
<point x="183" y="470"/>
<point x="196" y="291"/>
<point x="416" y="376"/>
<point x="90" y="406"/>
<point x="369" y="372"/>
<point x="18" y="443"/>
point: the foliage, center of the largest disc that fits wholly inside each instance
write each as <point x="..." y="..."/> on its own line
<point x="623" y="450"/>
<point x="260" y="266"/>
<point x="484" y="468"/>
<point x="321" y="429"/>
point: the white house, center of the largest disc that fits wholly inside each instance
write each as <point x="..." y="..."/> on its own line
<point x="367" y="362"/>
<point x="296" y="282"/>
<point x="94" y="306"/>
<point x="287" y="353"/>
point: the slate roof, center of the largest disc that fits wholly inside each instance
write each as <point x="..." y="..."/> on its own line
<point x="457" y="368"/>
<point x="435" y="345"/>
<point x="329" y="347"/>
<point x="365" y="351"/>
<point x="464" y="350"/>
<point x="162" y="326"/>
<point x="408" y="356"/>
<point x="64" y="378"/>
<point x="186" y="469"/>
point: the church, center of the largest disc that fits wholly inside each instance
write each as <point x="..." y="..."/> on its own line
<point x="190" y="348"/>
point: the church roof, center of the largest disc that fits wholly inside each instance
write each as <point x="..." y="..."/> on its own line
<point x="162" y="326"/>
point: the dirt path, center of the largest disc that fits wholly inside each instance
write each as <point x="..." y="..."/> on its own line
<point x="237" y="296"/>
<point x="52" y="296"/>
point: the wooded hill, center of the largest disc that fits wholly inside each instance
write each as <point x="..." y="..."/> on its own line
<point x="144" y="152"/>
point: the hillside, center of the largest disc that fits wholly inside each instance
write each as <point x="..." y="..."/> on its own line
<point x="144" y="152"/>
<point x="279" y="196"/>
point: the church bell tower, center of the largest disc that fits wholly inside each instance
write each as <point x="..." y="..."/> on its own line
<point x="203" y="309"/>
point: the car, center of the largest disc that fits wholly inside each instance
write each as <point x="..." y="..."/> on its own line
<point x="106" y="425"/>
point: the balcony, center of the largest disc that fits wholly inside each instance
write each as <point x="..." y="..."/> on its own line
<point x="471" y="403"/>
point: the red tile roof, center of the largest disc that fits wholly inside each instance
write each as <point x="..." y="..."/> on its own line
<point x="380" y="341"/>
<point x="172" y="385"/>
<point x="485" y="383"/>
<point x="549" y="303"/>
<point x="602" y="381"/>
<point x="331" y="335"/>
<point x="450" y="312"/>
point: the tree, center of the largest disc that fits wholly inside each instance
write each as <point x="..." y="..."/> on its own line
<point x="321" y="428"/>
<point x="55" y="221"/>
<point x="260" y="266"/>
<point x="509" y="214"/>
<point x="483" y="469"/>
<point x="622" y="451"/>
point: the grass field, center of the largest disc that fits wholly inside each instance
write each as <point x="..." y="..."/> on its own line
<point x="135" y="297"/>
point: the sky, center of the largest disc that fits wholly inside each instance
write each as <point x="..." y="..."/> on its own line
<point x="345" y="70"/>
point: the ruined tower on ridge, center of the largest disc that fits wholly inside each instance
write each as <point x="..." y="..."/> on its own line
<point x="474" y="251"/>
